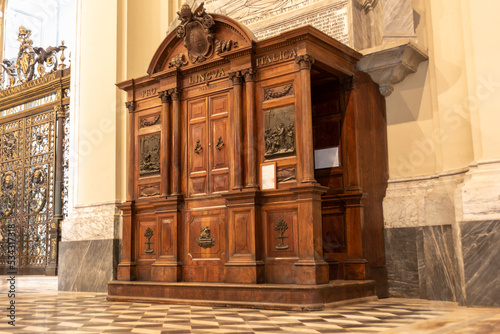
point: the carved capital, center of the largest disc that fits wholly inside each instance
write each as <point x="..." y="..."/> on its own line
<point x="61" y="110"/>
<point x="164" y="96"/>
<point x="130" y="106"/>
<point x="236" y="77"/>
<point x="175" y="93"/>
<point x="348" y="83"/>
<point x="249" y="74"/>
<point x="305" y="61"/>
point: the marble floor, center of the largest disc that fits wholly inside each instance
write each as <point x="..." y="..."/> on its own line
<point x="40" y="308"/>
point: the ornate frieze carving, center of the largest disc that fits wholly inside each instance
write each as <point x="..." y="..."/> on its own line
<point x="150" y="121"/>
<point x="149" y="190"/>
<point x="277" y="92"/>
<point x="22" y="69"/>
<point x="196" y="29"/>
<point x="279" y="131"/>
<point x="280" y="227"/>
<point x="150" y="154"/>
<point x="286" y="174"/>
<point x="205" y="240"/>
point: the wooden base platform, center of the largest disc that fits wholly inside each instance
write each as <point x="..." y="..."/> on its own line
<point x="262" y="296"/>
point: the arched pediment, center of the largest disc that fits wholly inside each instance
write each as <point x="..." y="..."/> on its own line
<point x="200" y="37"/>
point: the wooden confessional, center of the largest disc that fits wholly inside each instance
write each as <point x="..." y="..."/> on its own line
<point x="256" y="171"/>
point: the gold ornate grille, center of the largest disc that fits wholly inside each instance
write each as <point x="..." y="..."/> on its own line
<point x="33" y="124"/>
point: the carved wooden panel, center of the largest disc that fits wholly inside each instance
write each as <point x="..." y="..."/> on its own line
<point x="241" y="232"/>
<point x="197" y="109"/>
<point x="219" y="182"/>
<point x="197" y="148"/>
<point x="218" y="145"/>
<point x="168" y="237"/>
<point x="334" y="240"/>
<point x="219" y="105"/>
<point x="149" y="158"/>
<point x="197" y="230"/>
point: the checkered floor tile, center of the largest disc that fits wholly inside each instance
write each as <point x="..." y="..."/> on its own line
<point x="50" y="311"/>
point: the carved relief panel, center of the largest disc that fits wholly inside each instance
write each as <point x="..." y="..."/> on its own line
<point x="279" y="124"/>
<point x="149" y="162"/>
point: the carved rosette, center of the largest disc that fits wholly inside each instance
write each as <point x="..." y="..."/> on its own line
<point x="305" y="61"/>
<point x="196" y="29"/>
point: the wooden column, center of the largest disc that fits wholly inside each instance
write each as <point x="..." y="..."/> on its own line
<point x="176" y="141"/>
<point x="305" y="63"/>
<point x="125" y="270"/>
<point x="164" y="145"/>
<point x="131" y="150"/>
<point x="251" y="138"/>
<point x="236" y="172"/>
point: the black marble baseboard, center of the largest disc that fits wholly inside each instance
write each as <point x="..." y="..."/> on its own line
<point x="87" y="265"/>
<point x="481" y="254"/>
<point x="421" y="263"/>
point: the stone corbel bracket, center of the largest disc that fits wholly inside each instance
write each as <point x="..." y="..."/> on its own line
<point x="391" y="63"/>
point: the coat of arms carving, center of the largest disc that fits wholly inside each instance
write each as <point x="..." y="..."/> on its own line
<point x="196" y="29"/>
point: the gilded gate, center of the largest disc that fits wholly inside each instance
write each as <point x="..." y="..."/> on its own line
<point x="33" y="156"/>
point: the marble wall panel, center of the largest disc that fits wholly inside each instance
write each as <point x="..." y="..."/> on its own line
<point x="481" y="254"/>
<point x="91" y="222"/>
<point x="87" y="265"/>
<point x="421" y="263"/>
<point x="402" y="262"/>
<point x="438" y="265"/>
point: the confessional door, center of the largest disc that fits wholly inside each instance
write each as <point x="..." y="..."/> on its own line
<point x="329" y="172"/>
<point x="27" y="168"/>
<point x="207" y="145"/>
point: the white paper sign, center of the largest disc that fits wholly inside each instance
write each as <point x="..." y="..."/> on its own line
<point x="326" y="158"/>
<point x="268" y="176"/>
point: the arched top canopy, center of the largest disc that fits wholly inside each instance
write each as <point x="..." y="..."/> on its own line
<point x="200" y="37"/>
